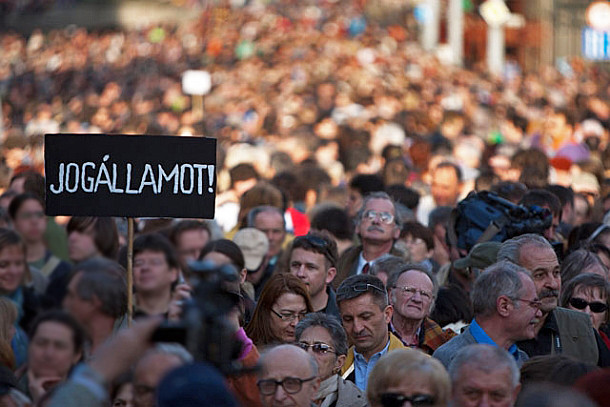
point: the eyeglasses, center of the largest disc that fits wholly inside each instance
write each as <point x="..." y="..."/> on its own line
<point x="532" y="303"/>
<point x="398" y="400"/>
<point x="320" y="348"/>
<point x="384" y="217"/>
<point x="319" y="244"/>
<point x="30" y="215"/>
<point x="411" y="291"/>
<point x="359" y="288"/>
<point x="289" y="316"/>
<point x="596" y="307"/>
<point x="291" y="385"/>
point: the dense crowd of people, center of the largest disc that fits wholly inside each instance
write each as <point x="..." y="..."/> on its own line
<point x="343" y="152"/>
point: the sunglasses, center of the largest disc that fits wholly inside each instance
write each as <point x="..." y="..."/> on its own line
<point x="320" y="348"/>
<point x="359" y="288"/>
<point x="321" y="245"/>
<point x="596" y="307"/>
<point x="398" y="400"/>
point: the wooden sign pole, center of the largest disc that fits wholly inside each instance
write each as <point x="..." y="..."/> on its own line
<point x="129" y="271"/>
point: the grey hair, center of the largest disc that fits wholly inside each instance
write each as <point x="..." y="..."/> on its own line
<point x="328" y="322"/>
<point x="484" y="357"/>
<point x="313" y="364"/>
<point x="587" y="281"/>
<point x="511" y="249"/>
<point x="388" y="264"/>
<point x="172" y="349"/>
<point x="254" y="212"/>
<point x="501" y="278"/>
<point x="393" y="278"/>
<point x="104" y="279"/>
<point x="578" y="262"/>
<point x="380" y="195"/>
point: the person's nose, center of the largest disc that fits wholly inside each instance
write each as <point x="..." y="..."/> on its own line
<point x="538" y="313"/>
<point x="280" y="393"/>
<point x="358" y="326"/>
<point x="301" y="271"/>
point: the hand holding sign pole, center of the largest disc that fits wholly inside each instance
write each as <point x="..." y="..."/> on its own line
<point x="130" y="176"/>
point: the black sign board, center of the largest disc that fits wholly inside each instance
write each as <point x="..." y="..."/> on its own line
<point x="130" y="176"/>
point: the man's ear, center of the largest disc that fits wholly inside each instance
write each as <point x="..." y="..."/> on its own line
<point x="504" y="305"/>
<point x="330" y="275"/>
<point x="388" y="311"/>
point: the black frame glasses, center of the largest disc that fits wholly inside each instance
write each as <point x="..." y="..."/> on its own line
<point x="397" y="400"/>
<point x="596" y="306"/>
<point x="319" y="347"/>
<point x="291" y="385"/>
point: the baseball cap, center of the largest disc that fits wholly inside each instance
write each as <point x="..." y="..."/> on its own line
<point x="254" y="245"/>
<point x="482" y="255"/>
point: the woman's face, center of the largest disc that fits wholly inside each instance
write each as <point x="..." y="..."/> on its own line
<point x="30" y="221"/>
<point x="285" y="314"/>
<point x="329" y="362"/>
<point x="12" y="268"/>
<point x="586" y="296"/>
<point x="81" y="245"/>
<point x="417" y="248"/>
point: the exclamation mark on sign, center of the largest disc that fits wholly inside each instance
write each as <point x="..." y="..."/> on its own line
<point x="211" y="178"/>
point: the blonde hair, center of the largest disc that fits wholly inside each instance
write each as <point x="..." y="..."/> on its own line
<point x="403" y="364"/>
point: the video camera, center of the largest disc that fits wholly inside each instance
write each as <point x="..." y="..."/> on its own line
<point x="484" y="216"/>
<point x="204" y="329"/>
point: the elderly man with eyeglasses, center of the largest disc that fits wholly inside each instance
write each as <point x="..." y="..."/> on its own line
<point x="365" y="313"/>
<point x="313" y="259"/>
<point x="506" y="310"/>
<point x="412" y="292"/>
<point x="288" y="377"/>
<point x="378" y="226"/>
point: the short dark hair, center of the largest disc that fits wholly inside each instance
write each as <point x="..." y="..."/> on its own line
<point x="228" y="248"/>
<point x="542" y="197"/>
<point x="418" y="230"/>
<point x="367" y="183"/>
<point x="360" y="284"/>
<point x="106" y="233"/>
<point x="456" y="168"/>
<point x="104" y="279"/>
<point x="19" y="200"/>
<point x="63" y="318"/>
<point x="587" y="281"/>
<point x="409" y="197"/>
<point x="156" y="242"/>
<point x="319" y="242"/>
<point x="184" y="226"/>
<point x="334" y="220"/>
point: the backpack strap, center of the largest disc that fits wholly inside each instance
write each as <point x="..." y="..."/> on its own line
<point x="50" y="265"/>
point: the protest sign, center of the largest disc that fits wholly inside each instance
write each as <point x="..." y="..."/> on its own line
<point x="130" y="176"/>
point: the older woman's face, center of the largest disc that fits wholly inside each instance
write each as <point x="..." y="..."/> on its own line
<point x="286" y="313"/>
<point x="586" y="296"/>
<point x="12" y="268"/>
<point x="329" y="362"/>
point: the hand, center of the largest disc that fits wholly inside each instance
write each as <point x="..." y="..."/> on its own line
<point x="181" y="293"/>
<point x="118" y="354"/>
<point x="38" y="386"/>
<point x="440" y="253"/>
